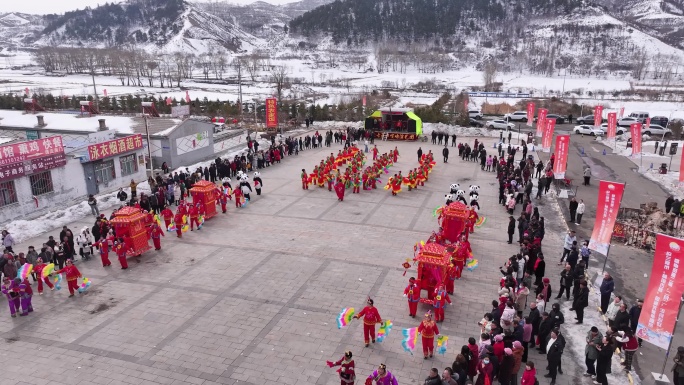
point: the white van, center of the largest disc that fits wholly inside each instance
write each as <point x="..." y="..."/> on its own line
<point x="641" y="116"/>
<point x="475" y="114"/>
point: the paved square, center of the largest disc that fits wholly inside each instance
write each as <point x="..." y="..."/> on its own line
<point x="252" y="297"/>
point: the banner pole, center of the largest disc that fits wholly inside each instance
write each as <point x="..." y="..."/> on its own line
<point x="669" y="346"/>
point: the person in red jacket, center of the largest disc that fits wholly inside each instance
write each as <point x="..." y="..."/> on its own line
<point x="428" y="330"/>
<point x="72" y="276"/>
<point x="412" y="292"/>
<point x="238" y="196"/>
<point x="167" y="214"/>
<point x="370" y="318"/>
<point x="103" y="245"/>
<point x="120" y="249"/>
<point x="156" y="233"/>
<point x="223" y="200"/>
<point x="178" y="222"/>
<point x="451" y="277"/>
<point x="194" y="217"/>
<point x="38" y="269"/>
<point x="529" y="376"/>
<point x="375" y="152"/>
<point x="395" y="154"/>
<point x="440" y="301"/>
<point x="346" y="370"/>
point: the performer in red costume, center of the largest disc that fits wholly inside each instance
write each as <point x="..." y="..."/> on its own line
<point x="395" y="154"/>
<point x="305" y="180"/>
<point x="339" y="189"/>
<point x="462" y="253"/>
<point x="428" y="330"/>
<point x="38" y="269"/>
<point x="472" y="219"/>
<point x="194" y="217"/>
<point x="451" y="277"/>
<point x="178" y="222"/>
<point x="72" y="276"/>
<point x="156" y="233"/>
<point x="167" y="214"/>
<point x="370" y="318"/>
<point x="346" y="370"/>
<point x="103" y="245"/>
<point x="412" y="292"/>
<point x="223" y="200"/>
<point x="375" y="152"/>
<point x="440" y="301"/>
<point x="120" y="249"/>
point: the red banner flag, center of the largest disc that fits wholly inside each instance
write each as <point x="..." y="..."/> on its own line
<point x="105" y="92"/>
<point x="622" y="112"/>
<point x="665" y="288"/>
<point x="364" y="100"/>
<point x="27" y="91"/>
<point x="187" y="97"/>
<point x="609" y="198"/>
<point x="612" y="125"/>
<point x="648" y="123"/>
<point x="548" y="134"/>
<point x="598" y="116"/>
<point x="561" y="163"/>
<point x="168" y="101"/>
<point x="271" y="113"/>
<point x="635" y="129"/>
<point x="681" y="168"/>
<point x="465" y="103"/>
<point x="530" y="113"/>
<point x="541" y="122"/>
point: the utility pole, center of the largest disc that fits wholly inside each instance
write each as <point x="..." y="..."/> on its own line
<point x="149" y="144"/>
<point x="92" y="73"/>
<point x="240" y="87"/>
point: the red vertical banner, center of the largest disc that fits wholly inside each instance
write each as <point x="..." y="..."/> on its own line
<point x="612" y="125"/>
<point x="665" y="288"/>
<point x="561" y="162"/>
<point x="547" y="137"/>
<point x="187" y="97"/>
<point x="364" y="100"/>
<point x="622" y="112"/>
<point x="635" y="130"/>
<point x="598" y="116"/>
<point x="271" y="113"/>
<point x="530" y="113"/>
<point x="609" y="198"/>
<point x="648" y="123"/>
<point x="465" y="102"/>
<point x="541" y="121"/>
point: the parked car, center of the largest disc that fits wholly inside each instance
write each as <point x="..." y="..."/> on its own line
<point x="589" y="119"/>
<point x="618" y="130"/>
<point x="475" y="114"/>
<point x="626" y="122"/>
<point x="660" y="120"/>
<point x="517" y="116"/>
<point x="656" y="130"/>
<point x="499" y="125"/>
<point x="476" y="123"/>
<point x="587" y="130"/>
<point x="641" y="116"/>
<point x="559" y="119"/>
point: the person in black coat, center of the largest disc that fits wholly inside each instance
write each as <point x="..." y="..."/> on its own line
<point x="605" y="354"/>
<point x="577" y="276"/>
<point x="668" y="204"/>
<point x="522" y="226"/>
<point x="607" y="287"/>
<point x="634" y="314"/>
<point x="506" y="367"/>
<point x="556" y="315"/>
<point x="420" y="153"/>
<point x="540" y="269"/>
<point x="553" y="356"/>
<point x="573" y="209"/>
<point x="496" y="314"/>
<point x="511" y="229"/>
<point x="565" y="282"/>
<point x="545" y="327"/>
<point x="535" y="319"/>
<point x="445" y="153"/>
<point x="581" y="301"/>
<point x="622" y="318"/>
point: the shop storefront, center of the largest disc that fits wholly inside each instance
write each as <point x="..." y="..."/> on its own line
<point x="114" y="163"/>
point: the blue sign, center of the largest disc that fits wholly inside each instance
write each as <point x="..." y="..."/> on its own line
<point x="32" y="135"/>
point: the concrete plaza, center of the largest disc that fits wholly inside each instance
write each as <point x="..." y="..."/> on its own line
<point x="253" y="297"/>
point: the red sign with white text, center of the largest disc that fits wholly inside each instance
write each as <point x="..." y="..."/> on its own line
<point x="681" y="168"/>
<point x="271" y="113"/>
<point x="612" y="125"/>
<point x="635" y="130"/>
<point x="541" y="122"/>
<point x="665" y="288"/>
<point x="530" y="113"/>
<point x="598" y="116"/>
<point x="561" y="163"/>
<point x="609" y="198"/>
<point x="548" y="134"/>
<point x="115" y="147"/>
<point x="25" y="151"/>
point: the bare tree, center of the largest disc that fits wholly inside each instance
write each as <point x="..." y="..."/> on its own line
<point x="489" y="73"/>
<point x="279" y="77"/>
<point x="640" y="64"/>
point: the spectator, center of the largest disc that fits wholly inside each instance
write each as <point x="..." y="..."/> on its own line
<point x="573" y="209"/>
<point x="613" y="309"/>
<point x="668" y="204"/>
<point x="587" y="175"/>
<point x="433" y="378"/>
<point x="511" y="229"/>
<point x="581" y="301"/>
<point x="529" y="377"/>
<point x="580" y="211"/>
<point x="554" y="352"/>
<point x="567" y="243"/>
<point x="122" y="196"/>
<point x="92" y="202"/>
<point x="621" y="321"/>
<point x="634" y="314"/>
<point x="607" y="287"/>
<point x="605" y="353"/>
<point x="565" y="282"/>
<point x="8" y="241"/>
<point x="594" y="339"/>
<point x="630" y="346"/>
<point x="449" y="377"/>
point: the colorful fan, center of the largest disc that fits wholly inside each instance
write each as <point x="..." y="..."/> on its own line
<point x="24" y="271"/>
<point x="58" y="282"/>
<point x="410" y="339"/>
<point x="438" y="211"/>
<point x="47" y="270"/>
<point x="384" y="330"/>
<point x="442" y="344"/>
<point x="345" y="317"/>
<point x="471" y="264"/>
<point x="84" y="285"/>
<point x="480" y="221"/>
<point x="158" y="220"/>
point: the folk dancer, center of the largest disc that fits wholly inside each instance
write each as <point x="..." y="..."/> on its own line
<point x="370" y="318"/>
<point x="428" y="330"/>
